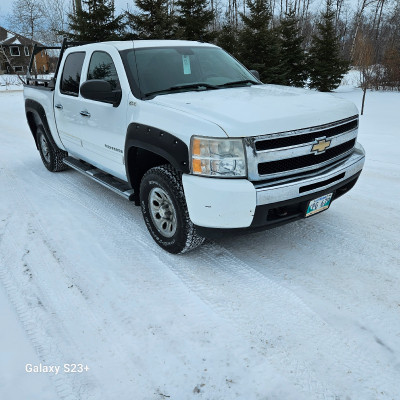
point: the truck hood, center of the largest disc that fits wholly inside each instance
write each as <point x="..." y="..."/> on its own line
<point x="260" y="109"/>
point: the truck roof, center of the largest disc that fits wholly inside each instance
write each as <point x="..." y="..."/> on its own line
<point x="129" y="44"/>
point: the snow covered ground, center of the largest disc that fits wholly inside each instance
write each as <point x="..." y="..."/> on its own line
<point x="10" y="82"/>
<point x="309" y="311"/>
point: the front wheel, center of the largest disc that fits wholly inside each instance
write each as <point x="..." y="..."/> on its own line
<point x="165" y="212"/>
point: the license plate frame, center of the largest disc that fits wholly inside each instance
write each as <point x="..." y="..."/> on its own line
<point x="315" y="206"/>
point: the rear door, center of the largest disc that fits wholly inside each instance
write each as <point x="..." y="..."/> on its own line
<point x="67" y="104"/>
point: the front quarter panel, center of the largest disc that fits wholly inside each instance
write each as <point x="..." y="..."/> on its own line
<point x="165" y="131"/>
<point x="178" y="123"/>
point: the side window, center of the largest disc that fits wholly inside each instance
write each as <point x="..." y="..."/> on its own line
<point x="71" y="75"/>
<point x="101" y="66"/>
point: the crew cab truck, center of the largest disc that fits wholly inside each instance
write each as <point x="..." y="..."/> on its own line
<point x="185" y="131"/>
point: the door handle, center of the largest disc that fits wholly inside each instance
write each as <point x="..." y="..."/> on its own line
<point x="59" y="106"/>
<point x="85" y="113"/>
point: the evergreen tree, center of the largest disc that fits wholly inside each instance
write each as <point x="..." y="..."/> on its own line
<point x="326" y="66"/>
<point x="154" y="20"/>
<point x="259" y="43"/>
<point x="293" y="59"/>
<point x="228" y="39"/>
<point x="194" y="18"/>
<point x="95" y="22"/>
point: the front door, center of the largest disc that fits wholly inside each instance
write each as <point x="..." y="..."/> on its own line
<point x="105" y="124"/>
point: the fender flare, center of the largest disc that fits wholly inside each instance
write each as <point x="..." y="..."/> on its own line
<point x="159" y="142"/>
<point x="36" y="116"/>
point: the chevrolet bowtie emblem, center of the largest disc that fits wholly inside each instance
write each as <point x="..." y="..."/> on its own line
<point x="320" y="146"/>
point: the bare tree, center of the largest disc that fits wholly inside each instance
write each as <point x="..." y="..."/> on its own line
<point x="338" y="4"/>
<point x="365" y="61"/>
<point x="391" y="69"/>
<point x="358" y="20"/>
<point x="380" y="5"/>
<point x="28" y="17"/>
<point x="56" y="20"/>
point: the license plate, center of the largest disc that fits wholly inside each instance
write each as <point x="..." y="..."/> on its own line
<point x="317" y="205"/>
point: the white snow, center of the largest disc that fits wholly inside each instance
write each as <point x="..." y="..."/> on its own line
<point x="309" y="310"/>
<point x="16" y="351"/>
<point x="12" y="82"/>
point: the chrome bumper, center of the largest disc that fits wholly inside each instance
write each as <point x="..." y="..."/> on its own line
<point x="273" y="193"/>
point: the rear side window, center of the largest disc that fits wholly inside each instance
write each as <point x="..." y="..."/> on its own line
<point x="71" y="76"/>
<point x="101" y="66"/>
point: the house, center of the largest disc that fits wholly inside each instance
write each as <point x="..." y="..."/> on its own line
<point x="15" y="54"/>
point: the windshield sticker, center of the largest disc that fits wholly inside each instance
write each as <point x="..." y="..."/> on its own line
<point x="186" y="65"/>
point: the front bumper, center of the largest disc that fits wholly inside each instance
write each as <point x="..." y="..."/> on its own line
<point x="238" y="203"/>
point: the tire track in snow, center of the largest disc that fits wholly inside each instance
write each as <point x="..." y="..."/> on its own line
<point x="346" y="245"/>
<point x="383" y="365"/>
<point x="237" y="355"/>
<point x="44" y="308"/>
<point x="34" y="311"/>
<point x="343" y="245"/>
<point x="146" y="241"/>
<point x="224" y="282"/>
<point x="267" y="311"/>
<point x="69" y="389"/>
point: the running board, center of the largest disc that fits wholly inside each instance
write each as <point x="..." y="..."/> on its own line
<point x="120" y="187"/>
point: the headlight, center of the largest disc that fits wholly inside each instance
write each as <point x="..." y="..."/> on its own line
<point x="218" y="157"/>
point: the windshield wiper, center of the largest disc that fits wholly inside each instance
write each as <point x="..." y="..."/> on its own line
<point x="199" y="86"/>
<point x="243" y="82"/>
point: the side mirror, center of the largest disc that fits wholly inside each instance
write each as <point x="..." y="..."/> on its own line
<point x="100" y="90"/>
<point x="255" y="73"/>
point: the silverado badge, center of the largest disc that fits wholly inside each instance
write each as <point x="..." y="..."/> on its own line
<point x="320" y="146"/>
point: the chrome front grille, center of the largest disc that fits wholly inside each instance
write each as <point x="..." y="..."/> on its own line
<point x="287" y="154"/>
<point x="300" y="138"/>
<point x="289" y="164"/>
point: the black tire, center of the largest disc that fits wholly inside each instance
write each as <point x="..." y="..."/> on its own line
<point x="165" y="213"/>
<point x="51" y="155"/>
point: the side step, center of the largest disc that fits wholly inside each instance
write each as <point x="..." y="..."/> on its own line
<point x="120" y="187"/>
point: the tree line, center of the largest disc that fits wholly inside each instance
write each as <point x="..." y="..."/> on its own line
<point x="286" y="41"/>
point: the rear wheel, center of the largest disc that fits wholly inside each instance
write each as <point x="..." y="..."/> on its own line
<point x="51" y="155"/>
<point x="165" y="212"/>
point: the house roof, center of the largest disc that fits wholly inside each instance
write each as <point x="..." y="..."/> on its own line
<point x="9" y="38"/>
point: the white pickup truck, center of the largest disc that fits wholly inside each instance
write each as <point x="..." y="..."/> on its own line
<point x="188" y="133"/>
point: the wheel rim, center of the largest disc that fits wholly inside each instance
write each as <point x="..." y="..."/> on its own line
<point x="162" y="212"/>
<point x="45" y="148"/>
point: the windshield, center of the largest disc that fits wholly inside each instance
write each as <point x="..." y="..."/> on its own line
<point x="164" y="70"/>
